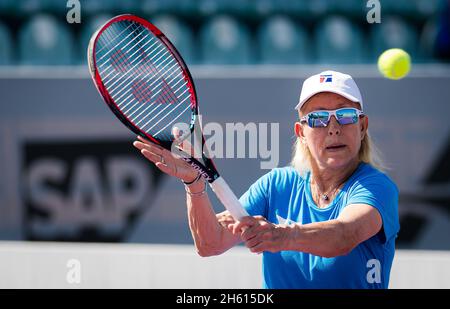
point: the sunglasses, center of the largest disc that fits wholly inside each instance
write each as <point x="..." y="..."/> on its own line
<point x="321" y="118"/>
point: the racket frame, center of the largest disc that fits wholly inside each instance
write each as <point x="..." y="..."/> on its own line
<point x="208" y="170"/>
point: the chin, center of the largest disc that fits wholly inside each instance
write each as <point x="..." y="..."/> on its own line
<point x="337" y="163"/>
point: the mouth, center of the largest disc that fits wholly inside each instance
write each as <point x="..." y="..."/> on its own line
<point x="335" y="147"/>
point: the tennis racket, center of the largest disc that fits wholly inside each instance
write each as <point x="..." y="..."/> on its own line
<point x="147" y="85"/>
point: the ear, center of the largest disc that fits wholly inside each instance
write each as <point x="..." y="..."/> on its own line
<point x="298" y="129"/>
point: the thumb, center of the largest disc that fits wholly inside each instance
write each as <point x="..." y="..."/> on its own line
<point x="183" y="144"/>
<point x="245" y="223"/>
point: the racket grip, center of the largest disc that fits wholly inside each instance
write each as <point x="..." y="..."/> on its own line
<point x="228" y="198"/>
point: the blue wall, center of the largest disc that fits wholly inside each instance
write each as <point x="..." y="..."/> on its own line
<point x="69" y="171"/>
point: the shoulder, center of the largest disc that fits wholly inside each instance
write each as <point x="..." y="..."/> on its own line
<point x="279" y="177"/>
<point x="368" y="178"/>
<point x="375" y="188"/>
<point x="286" y="174"/>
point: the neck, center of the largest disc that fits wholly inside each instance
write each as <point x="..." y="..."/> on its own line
<point x="327" y="180"/>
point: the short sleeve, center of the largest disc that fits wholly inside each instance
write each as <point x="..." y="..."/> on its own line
<point x="256" y="199"/>
<point x="382" y="194"/>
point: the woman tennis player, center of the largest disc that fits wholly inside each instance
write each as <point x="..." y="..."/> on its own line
<point x="329" y="220"/>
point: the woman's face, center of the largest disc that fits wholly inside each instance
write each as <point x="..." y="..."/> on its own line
<point x="334" y="146"/>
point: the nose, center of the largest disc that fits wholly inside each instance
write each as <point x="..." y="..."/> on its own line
<point x="334" y="128"/>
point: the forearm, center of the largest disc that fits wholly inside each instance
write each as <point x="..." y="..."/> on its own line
<point x="327" y="239"/>
<point x="210" y="237"/>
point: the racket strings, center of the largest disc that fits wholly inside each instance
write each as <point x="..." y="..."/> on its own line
<point x="167" y="95"/>
<point x="112" y="39"/>
<point x="119" y="61"/>
<point x="118" y="74"/>
<point x="144" y="78"/>
<point x="135" y="59"/>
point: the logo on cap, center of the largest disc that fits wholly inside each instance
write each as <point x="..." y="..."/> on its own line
<point x="326" y="78"/>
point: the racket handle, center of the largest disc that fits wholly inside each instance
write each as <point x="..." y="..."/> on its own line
<point x="228" y="198"/>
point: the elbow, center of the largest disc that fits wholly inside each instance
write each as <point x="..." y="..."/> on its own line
<point x="348" y="248"/>
<point x="207" y="251"/>
<point x="204" y="253"/>
<point x="343" y="244"/>
<point x="345" y="249"/>
<point x="210" y="247"/>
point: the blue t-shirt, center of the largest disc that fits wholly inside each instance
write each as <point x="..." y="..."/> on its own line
<point x="284" y="196"/>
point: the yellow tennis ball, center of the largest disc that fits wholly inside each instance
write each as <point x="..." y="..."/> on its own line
<point x="394" y="63"/>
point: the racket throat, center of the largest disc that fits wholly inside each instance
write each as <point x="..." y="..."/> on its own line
<point x="207" y="175"/>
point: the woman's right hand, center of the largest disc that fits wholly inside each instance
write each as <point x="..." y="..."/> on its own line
<point x="164" y="160"/>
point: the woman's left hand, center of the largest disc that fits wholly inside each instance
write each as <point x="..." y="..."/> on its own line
<point x="261" y="235"/>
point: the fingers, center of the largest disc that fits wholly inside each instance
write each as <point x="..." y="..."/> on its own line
<point x="230" y="228"/>
<point x="252" y="242"/>
<point x="259" y="248"/>
<point x="225" y="219"/>
<point x="145" y="141"/>
<point x="184" y="146"/>
<point x="164" y="168"/>
<point x="165" y="161"/>
<point x="252" y="231"/>
<point x="239" y="226"/>
<point x="155" y="154"/>
<point x="247" y="222"/>
<point x="151" y="156"/>
<point x="151" y="151"/>
<point x="257" y="233"/>
<point x="261" y="242"/>
<point x="249" y="233"/>
<point x="149" y="146"/>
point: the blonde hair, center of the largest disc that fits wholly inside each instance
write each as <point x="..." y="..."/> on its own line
<point x="368" y="153"/>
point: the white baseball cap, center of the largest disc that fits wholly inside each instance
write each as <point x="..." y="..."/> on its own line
<point x="330" y="81"/>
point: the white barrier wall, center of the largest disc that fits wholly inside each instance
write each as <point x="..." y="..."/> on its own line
<point x="57" y="265"/>
<point x="47" y="265"/>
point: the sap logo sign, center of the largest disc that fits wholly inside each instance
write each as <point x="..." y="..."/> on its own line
<point x="85" y="191"/>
